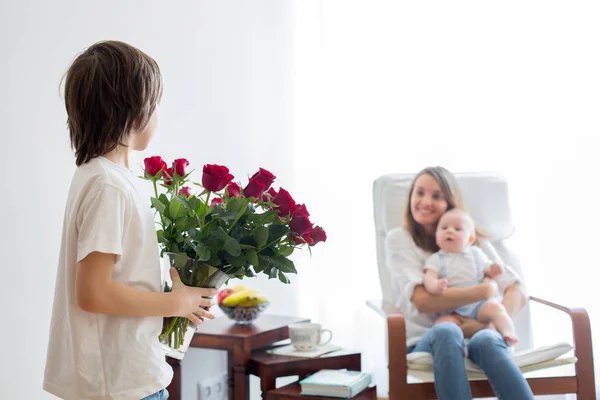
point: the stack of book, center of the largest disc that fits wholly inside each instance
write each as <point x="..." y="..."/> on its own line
<point x="335" y="383"/>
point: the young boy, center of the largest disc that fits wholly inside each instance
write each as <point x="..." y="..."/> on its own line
<point x="108" y="304"/>
<point x="460" y="263"/>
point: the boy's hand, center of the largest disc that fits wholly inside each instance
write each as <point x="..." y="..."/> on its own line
<point x="189" y="301"/>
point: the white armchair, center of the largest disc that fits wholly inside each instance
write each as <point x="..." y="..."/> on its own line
<point x="486" y="198"/>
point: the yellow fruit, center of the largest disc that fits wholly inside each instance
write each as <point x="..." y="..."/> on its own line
<point x="240" y="288"/>
<point x="236" y="298"/>
<point x="252" y="301"/>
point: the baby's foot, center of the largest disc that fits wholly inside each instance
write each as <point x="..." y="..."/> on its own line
<point x="441" y="286"/>
<point x="510" y="339"/>
<point x="494" y="271"/>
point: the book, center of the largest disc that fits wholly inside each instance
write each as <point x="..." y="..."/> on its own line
<point x="341" y="383"/>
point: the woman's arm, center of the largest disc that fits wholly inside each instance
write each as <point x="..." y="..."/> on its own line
<point x="452" y="297"/>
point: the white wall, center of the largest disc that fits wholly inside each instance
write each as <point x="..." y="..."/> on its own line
<point x="226" y="67"/>
<point x="390" y="86"/>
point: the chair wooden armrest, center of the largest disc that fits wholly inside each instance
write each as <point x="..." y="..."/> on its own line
<point x="582" y="341"/>
<point x="396" y="331"/>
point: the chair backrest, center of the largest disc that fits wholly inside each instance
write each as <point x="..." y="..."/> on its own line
<point x="486" y="198"/>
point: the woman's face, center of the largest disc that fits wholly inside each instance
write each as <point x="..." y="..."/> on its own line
<point x="427" y="202"/>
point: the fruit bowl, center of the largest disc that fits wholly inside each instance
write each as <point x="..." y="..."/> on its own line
<point x="243" y="315"/>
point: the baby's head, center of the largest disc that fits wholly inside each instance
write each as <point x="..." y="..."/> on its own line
<point x="455" y="231"/>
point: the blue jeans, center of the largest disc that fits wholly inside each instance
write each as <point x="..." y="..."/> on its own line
<point x="160" y="395"/>
<point x="487" y="348"/>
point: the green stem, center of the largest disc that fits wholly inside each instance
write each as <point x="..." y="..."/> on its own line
<point x="269" y="244"/>
<point x="204" y="210"/>
<point x="239" y="215"/>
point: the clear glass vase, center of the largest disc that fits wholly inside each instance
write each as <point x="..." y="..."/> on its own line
<point x="178" y="332"/>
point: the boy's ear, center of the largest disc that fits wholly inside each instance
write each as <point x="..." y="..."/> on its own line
<point x="472" y="239"/>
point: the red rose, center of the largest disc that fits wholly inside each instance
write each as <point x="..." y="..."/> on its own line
<point x="215" y="201"/>
<point x="179" y="166"/>
<point x="264" y="177"/>
<point x="153" y="165"/>
<point x="168" y="176"/>
<point x="233" y="189"/>
<point x="185" y="191"/>
<point x="317" y="235"/>
<point x="301" y="210"/>
<point x="215" y="177"/>
<point x="258" y="183"/>
<point x="255" y="188"/>
<point x="285" y="202"/>
<point x="300" y="224"/>
<point x="269" y="194"/>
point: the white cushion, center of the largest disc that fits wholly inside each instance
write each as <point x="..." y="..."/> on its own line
<point x="522" y="358"/>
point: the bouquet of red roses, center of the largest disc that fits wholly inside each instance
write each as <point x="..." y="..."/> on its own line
<point x="238" y="230"/>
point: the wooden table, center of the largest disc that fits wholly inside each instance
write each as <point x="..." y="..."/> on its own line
<point x="268" y="367"/>
<point x="239" y="341"/>
<point x="292" y="392"/>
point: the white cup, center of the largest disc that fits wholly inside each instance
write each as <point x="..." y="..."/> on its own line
<point x="306" y="336"/>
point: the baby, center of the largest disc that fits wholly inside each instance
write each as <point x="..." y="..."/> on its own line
<point x="459" y="263"/>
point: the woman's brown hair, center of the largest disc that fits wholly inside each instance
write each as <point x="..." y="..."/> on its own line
<point x="452" y="195"/>
<point x="111" y="90"/>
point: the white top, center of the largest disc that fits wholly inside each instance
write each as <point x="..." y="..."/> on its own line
<point x="97" y="356"/>
<point x="405" y="261"/>
<point x="461" y="267"/>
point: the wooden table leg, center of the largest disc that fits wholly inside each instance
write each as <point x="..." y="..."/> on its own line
<point x="238" y="372"/>
<point x="175" y="387"/>
<point x="267" y="382"/>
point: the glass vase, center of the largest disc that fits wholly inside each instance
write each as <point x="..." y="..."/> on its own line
<point x="178" y="332"/>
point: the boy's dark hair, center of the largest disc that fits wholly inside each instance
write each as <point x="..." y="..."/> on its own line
<point x="111" y="90"/>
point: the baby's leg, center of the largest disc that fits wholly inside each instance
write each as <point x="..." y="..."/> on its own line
<point x="496" y="313"/>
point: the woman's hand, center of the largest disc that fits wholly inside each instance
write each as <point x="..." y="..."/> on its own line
<point x="470" y="326"/>
<point x="489" y="288"/>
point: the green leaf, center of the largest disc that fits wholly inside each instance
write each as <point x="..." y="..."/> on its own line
<point x="158" y="205"/>
<point x="184" y="203"/>
<point x="176" y="208"/>
<point x="283" y="264"/>
<point x="185" y="224"/>
<point x="236" y="261"/>
<point x="264" y="218"/>
<point x="276" y="231"/>
<point x="160" y="236"/>
<point x="233" y="247"/>
<point x="261" y="235"/>
<point x="285" y="251"/>
<point x="249" y="273"/>
<point x="263" y="264"/>
<point x="202" y="252"/>
<point x="252" y="257"/>
<point x="163" y="199"/>
<point x="283" y="278"/>
<point x="235" y="204"/>
<point x="196" y="204"/>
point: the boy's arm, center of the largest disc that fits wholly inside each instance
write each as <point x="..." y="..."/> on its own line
<point x="97" y="292"/>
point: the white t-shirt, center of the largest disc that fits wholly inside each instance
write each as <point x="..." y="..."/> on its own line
<point x="405" y="261"/>
<point x="97" y="356"/>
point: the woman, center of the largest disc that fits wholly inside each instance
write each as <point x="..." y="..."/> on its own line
<point x="433" y="192"/>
